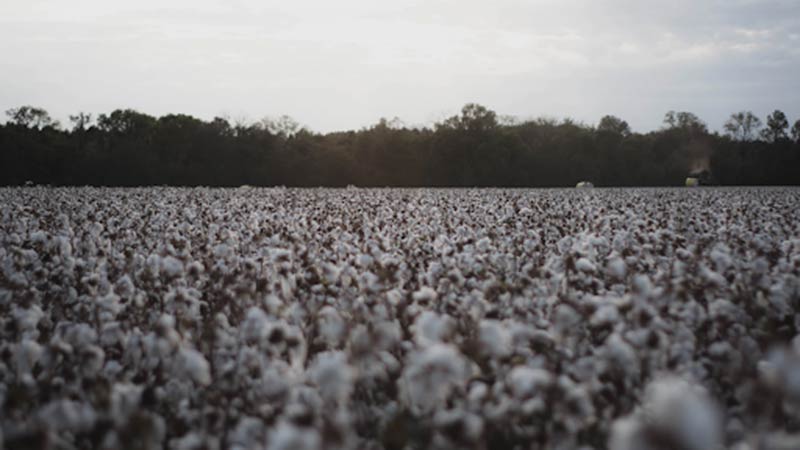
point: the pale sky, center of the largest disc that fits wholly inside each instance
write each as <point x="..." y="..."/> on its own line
<point x="343" y="64"/>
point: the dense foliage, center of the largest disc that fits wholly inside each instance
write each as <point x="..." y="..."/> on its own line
<point x="631" y="319"/>
<point x="474" y="148"/>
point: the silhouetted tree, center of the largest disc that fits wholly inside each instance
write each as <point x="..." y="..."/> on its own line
<point x="614" y="124"/>
<point x="796" y="131"/>
<point x="743" y="126"/>
<point x="80" y="121"/>
<point x="686" y="121"/>
<point x="776" y="126"/>
<point x="475" y="147"/>
<point x="31" y="117"/>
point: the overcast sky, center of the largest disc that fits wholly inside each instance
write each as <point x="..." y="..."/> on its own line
<point x="344" y="64"/>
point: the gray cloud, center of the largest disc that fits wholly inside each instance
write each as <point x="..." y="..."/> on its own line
<point x="337" y="65"/>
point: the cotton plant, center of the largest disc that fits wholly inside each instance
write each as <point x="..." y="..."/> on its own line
<point x="284" y="318"/>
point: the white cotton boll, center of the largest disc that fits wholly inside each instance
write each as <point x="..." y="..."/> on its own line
<point x="92" y="359"/>
<point x="64" y="246"/>
<point x="67" y="415"/>
<point x="255" y="326"/>
<point x="124" y="286"/>
<point x="431" y="327"/>
<point x="286" y="436"/>
<point x="425" y="294"/>
<point x="125" y="398"/>
<point x="711" y="277"/>
<point x="27" y="319"/>
<point x="112" y="334"/>
<point x="364" y="260"/>
<point x="195" y="366"/>
<point x="477" y="393"/>
<point x="605" y="316"/>
<point x="616" y="268"/>
<point x="483" y="244"/>
<point x="526" y="381"/>
<point x="684" y="413"/>
<point x="249" y="433"/>
<point x="720" y="255"/>
<point x="494" y="338"/>
<point x="721" y="309"/>
<point x="620" y="356"/>
<point x="334" y="377"/>
<point x="330" y="273"/>
<point x="190" y="441"/>
<point x="431" y="375"/>
<point x="223" y="251"/>
<point x="38" y="237"/>
<point x="109" y="305"/>
<point x="642" y="285"/>
<point x="565" y="317"/>
<point x="585" y="266"/>
<point x="278" y="254"/>
<point x="171" y="267"/>
<point x="153" y="265"/>
<point x="628" y="433"/>
<point x="27" y="354"/>
<point x="781" y="371"/>
<point x="331" y="325"/>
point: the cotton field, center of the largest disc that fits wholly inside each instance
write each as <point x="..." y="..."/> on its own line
<point x="635" y="319"/>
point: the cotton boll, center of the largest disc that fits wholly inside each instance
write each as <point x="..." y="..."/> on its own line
<point x="711" y="277"/>
<point x="483" y="244"/>
<point x="195" y="366"/>
<point x="331" y="325"/>
<point x="494" y="339"/>
<point x="334" y="377"/>
<point x="255" y="327"/>
<point x="616" y="268"/>
<point x="565" y="318"/>
<point x="620" y="357"/>
<point x="720" y="255"/>
<point x="27" y="319"/>
<point x="27" y="355"/>
<point x="171" y="267"/>
<point x="781" y="371"/>
<point x="124" y="286"/>
<point x="153" y="265"/>
<point x="425" y="295"/>
<point x="194" y="441"/>
<point x="628" y="433"/>
<point x="431" y="375"/>
<point x="584" y="265"/>
<point x="291" y="437"/>
<point x="363" y="260"/>
<point x="526" y="381"/>
<point x="430" y="328"/>
<point x="67" y="415"/>
<point x="605" y="316"/>
<point x="125" y="399"/>
<point x="683" y="414"/>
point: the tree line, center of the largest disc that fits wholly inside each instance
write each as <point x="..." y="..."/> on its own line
<point x="473" y="148"/>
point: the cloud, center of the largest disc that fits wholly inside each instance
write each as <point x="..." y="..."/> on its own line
<point x="367" y="59"/>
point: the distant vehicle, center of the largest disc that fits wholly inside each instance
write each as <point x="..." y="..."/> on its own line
<point x="701" y="178"/>
<point x="584" y="184"/>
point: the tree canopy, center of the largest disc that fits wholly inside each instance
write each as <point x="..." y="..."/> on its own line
<point x="476" y="147"/>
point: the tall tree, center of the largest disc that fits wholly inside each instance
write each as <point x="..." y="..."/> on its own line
<point x="743" y="126"/>
<point x="776" y="126"/>
<point x="80" y="121"/>
<point x="686" y="121"/>
<point x="31" y="117"/>
<point x="796" y="131"/>
<point x="614" y="125"/>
